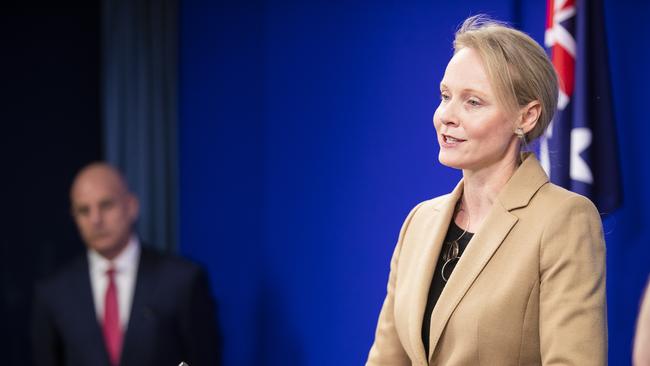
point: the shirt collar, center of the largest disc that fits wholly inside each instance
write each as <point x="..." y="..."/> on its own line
<point x="125" y="261"/>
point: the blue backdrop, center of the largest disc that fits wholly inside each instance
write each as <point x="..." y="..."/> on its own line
<point x="306" y="137"/>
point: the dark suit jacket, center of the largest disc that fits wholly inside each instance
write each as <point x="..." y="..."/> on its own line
<point x="172" y="317"/>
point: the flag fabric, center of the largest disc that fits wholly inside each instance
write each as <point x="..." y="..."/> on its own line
<point x="579" y="149"/>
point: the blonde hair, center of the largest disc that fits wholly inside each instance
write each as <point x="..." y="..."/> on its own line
<point x="518" y="68"/>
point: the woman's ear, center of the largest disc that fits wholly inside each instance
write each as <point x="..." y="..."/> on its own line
<point x="530" y="115"/>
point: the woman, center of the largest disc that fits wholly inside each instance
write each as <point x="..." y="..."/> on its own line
<point x="508" y="269"/>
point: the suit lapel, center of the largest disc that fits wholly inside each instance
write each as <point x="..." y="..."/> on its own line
<point x="434" y="233"/>
<point x="139" y="333"/>
<point x="83" y="308"/>
<point x="478" y="253"/>
<point x="518" y="192"/>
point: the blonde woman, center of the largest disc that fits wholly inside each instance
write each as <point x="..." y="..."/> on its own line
<point x="507" y="269"/>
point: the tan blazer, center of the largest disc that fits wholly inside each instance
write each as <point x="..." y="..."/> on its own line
<point x="528" y="290"/>
<point x="641" y="354"/>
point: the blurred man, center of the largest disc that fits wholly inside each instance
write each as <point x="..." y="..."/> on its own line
<point x="121" y="304"/>
<point x="641" y="354"/>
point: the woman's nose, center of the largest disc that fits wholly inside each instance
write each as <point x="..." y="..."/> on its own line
<point x="447" y="113"/>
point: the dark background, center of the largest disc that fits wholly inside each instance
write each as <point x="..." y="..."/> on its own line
<point x="50" y="63"/>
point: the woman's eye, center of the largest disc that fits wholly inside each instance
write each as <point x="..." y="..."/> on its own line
<point x="474" y="102"/>
<point x="444" y="96"/>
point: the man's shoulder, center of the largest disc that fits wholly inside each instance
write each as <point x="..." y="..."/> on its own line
<point x="170" y="277"/>
<point x="63" y="279"/>
<point x="170" y="264"/>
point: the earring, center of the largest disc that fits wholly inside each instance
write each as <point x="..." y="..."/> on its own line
<point x="519" y="132"/>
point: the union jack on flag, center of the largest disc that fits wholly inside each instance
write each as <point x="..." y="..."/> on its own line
<point x="579" y="149"/>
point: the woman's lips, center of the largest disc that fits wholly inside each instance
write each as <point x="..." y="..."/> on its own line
<point x="450" y="141"/>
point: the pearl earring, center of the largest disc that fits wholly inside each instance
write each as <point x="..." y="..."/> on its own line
<point x="519" y="132"/>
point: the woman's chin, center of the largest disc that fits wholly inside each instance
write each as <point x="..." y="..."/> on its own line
<point x="449" y="161"/>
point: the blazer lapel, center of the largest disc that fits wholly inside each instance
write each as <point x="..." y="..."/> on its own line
<point x="139" y="333"/>
<point x="82" y="308"/>
<point x="521" y="187"/>
<point x="478" y="253"/>
<point x="435" y="231"/>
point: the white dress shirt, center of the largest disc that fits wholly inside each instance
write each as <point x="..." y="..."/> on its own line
<point x="126" y="270"/>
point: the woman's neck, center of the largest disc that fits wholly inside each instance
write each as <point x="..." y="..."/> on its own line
<point x="480" y="190"/>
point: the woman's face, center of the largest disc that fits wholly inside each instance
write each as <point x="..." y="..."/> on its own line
<point x="474" y="131"/>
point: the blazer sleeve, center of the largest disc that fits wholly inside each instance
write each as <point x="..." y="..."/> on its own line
<point x="199" y="329"/>
<point x="573" y="323"/>
<point x="387" y="348"/>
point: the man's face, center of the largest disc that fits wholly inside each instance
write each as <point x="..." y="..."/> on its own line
<point x="103" y="210"/>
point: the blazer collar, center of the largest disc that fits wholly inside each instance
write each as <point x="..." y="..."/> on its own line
<point x="140" y="333"/>
<point x="523" y="185"/>
<point x="436" y="228"/>
<point x="78" y="299"/>
<point x="517" y="193"/>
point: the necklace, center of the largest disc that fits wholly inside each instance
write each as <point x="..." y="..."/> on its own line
<point x="452" y="254"/>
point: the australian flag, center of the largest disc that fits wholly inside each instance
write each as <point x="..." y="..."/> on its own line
<point x="579" y="149"/>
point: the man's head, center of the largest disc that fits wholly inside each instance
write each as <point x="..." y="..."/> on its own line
<point x="103" y="208"/>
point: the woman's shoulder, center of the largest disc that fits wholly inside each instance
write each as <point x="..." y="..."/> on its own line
<point x="425" y="210"/>
<point x="434" y="203"/>
<point x="554" y="209"/>
<point x="558" y="198"/>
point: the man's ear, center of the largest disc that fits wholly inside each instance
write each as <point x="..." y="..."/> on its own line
<point x="134" y="207"/>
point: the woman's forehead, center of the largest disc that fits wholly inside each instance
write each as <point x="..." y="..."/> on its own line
<point x="465" y="70"/>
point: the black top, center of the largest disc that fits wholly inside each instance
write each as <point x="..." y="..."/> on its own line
<point x="438" y="283"/>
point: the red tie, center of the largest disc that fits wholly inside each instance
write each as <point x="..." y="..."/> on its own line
<point x="112" y="329"/>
